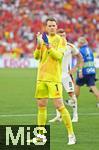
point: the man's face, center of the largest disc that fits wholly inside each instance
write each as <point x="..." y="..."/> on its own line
<point x="51" y="27"/>
<point x="62" y="34"/>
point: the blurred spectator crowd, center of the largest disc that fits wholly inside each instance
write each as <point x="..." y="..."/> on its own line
<point x="20" y="20"/>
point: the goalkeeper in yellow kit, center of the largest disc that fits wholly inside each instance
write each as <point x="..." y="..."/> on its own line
<point x="49" y="52"/>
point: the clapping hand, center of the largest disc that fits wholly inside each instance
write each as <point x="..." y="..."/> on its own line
<point x="39" y="39"/>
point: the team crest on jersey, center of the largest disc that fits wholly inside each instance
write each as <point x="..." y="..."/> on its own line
<point x="55" y="42"/>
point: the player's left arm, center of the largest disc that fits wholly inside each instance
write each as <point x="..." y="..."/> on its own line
<point x="80" y="61"/>
<point x="79" y="64"/>
<point x="76" y="53"/>
<point x="79" y="58"/>
<point x="55" y="53"/>
<point x="59" y="52"/>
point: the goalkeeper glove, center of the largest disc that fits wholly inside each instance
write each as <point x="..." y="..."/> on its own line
<point x="45" y="39"/>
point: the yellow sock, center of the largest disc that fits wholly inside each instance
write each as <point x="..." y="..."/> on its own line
<point x="42" y="116"/>
<point x="66" y="119"/>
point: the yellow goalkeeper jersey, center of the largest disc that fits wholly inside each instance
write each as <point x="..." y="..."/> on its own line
<point x="50" y="60"/>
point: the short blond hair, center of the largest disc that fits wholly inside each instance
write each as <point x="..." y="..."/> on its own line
<point x="82" y="40"/>
<point x="60" y="30"/>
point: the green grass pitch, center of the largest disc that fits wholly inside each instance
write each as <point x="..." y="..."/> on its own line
<point x="17" y="105"/>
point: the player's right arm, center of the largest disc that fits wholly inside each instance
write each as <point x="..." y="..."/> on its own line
<point x="37" y="52"/>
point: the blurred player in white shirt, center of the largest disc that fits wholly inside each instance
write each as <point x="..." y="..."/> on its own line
<point x="67" y="79"/>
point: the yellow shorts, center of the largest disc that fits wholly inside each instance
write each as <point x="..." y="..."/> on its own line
<point x="48" y="90"/>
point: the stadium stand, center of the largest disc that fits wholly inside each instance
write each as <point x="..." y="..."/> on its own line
<point x="20" y="20"/>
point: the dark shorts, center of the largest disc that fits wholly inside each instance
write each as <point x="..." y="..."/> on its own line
<point x="89" y="80"/>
